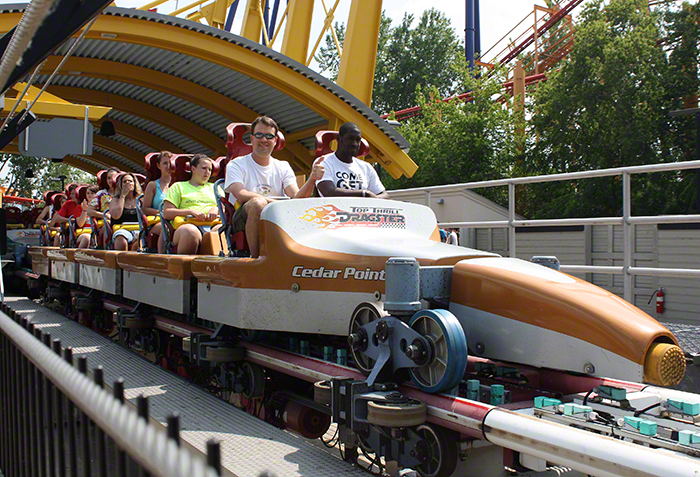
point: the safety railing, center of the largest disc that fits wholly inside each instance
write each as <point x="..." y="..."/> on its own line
<point x="56" y="421"/>
<point x="627" y="221"/>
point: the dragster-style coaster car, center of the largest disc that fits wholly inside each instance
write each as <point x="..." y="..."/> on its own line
<point x="355" y="313"/>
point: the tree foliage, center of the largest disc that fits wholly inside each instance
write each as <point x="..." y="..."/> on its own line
<point x="407" y="58"/>
<point x="45" y="172"/>
<point x="608" y="105"/>
<point x="462" y="141"/>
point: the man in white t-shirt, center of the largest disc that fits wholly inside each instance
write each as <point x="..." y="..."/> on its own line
<point x="256" y="179"/>
<point x="453" y="238"/>
<point x="345" y="175"/>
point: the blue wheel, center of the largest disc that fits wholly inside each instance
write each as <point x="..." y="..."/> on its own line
<point x="448" y="363"/>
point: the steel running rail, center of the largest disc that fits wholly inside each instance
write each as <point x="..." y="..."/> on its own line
<point x="627" y="220"/>
<point x="157" y="453"/>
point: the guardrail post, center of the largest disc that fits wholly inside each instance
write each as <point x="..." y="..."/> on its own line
<point x="58" y="400"/>
<point x="427" y="199"/>
<point x="627" y="236"/>
<point x="50" y="418"/>
<point x="70" y="420"/>
<point x="84" y="426"/>
<point x="40" y="385"/>
<point x="98" y="377"/>
<point x="118" y="390"/>
<point x="511" y="219"/>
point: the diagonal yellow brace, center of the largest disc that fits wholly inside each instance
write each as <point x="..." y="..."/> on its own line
<point x="52" y="106"/>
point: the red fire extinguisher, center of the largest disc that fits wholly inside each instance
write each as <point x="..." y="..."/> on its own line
<point x="659" y="300"/>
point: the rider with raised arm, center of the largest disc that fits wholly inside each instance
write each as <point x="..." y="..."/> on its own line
<point x="122" y="209"/>
<point x="257" y="179"/>
<point x="345" y="175"/>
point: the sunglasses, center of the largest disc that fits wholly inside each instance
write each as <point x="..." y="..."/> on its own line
<point x="260" y="135"/>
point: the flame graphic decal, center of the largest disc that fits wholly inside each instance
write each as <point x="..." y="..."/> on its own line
<point x="323" y="216"/>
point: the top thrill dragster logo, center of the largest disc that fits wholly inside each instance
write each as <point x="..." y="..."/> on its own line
<point x="331" y="217"/>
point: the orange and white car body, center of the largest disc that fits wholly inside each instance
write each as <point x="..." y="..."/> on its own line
<point x="320" y="258"/>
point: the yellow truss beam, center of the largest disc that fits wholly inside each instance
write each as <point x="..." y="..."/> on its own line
<point x="252" y="21"/>
<point x="298" y="30"/>
<point x="356" y="73"/>
<point x="214" y="13"/>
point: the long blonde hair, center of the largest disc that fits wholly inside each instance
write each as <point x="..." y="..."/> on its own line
<point x="137" y="187"/>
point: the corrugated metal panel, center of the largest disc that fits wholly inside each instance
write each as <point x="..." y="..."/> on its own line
<point x="568" y="247"/>
<point x="87" y="161"/>
<point x="169" y="135"/>
<point x="289" y="113"/>
<point x="142" y="148"/>
<point x="194" y="113"/>
<point x="120" y="159"/>
<point x="599" y="236"/>
<point x="645" y="238"/>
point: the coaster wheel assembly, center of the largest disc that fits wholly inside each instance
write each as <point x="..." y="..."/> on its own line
<point x="445" y="370"/>
<point x="364" y="313"/>
<point x="402" y="414"/>
<point x="437" y="450"/>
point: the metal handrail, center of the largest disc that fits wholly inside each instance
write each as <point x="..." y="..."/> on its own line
<point x="627" y="220"/>
<point x="151" y="448"/>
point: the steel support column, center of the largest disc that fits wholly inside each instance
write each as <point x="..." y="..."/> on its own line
<point x="298" y="29"/>
<point x="356" y="73"/>
<point x="252" y="23"/>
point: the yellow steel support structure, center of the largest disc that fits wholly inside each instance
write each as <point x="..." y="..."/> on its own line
<point x="214" y="13"/>
<point x="52" y="106"/>
<point x="356" y="73"/>
<point x="252" y="21"/>
<point x="298" y="29"/>
<point x="259" y="67"/>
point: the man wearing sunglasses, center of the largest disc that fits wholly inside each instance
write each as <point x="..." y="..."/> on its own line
<point x="345" y="175"/>
<point x="257" y="179"/>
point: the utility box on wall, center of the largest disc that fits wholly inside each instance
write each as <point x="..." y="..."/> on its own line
<point x="56" y="138"/>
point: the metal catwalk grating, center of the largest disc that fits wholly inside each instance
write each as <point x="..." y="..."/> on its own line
<point x="249" y="445"/>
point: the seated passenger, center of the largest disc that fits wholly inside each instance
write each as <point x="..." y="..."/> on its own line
<point x="83" y="240"/>
<point x="155" y="193"/>
<point x="100" y="203"/>
<point x="254" y="180"/>
<point x="69" y="209"/>
<point x="47" y="211"/>
<point x="192" y="198"/>
<point x="122" y="209"/>
<point x="345" y="175"/>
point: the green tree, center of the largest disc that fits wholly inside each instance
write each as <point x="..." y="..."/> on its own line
<point x="608" y="106"/>
<point x="462" y="141"/>
<point x="45" y="172"/>
<point x="406" y="58"/>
